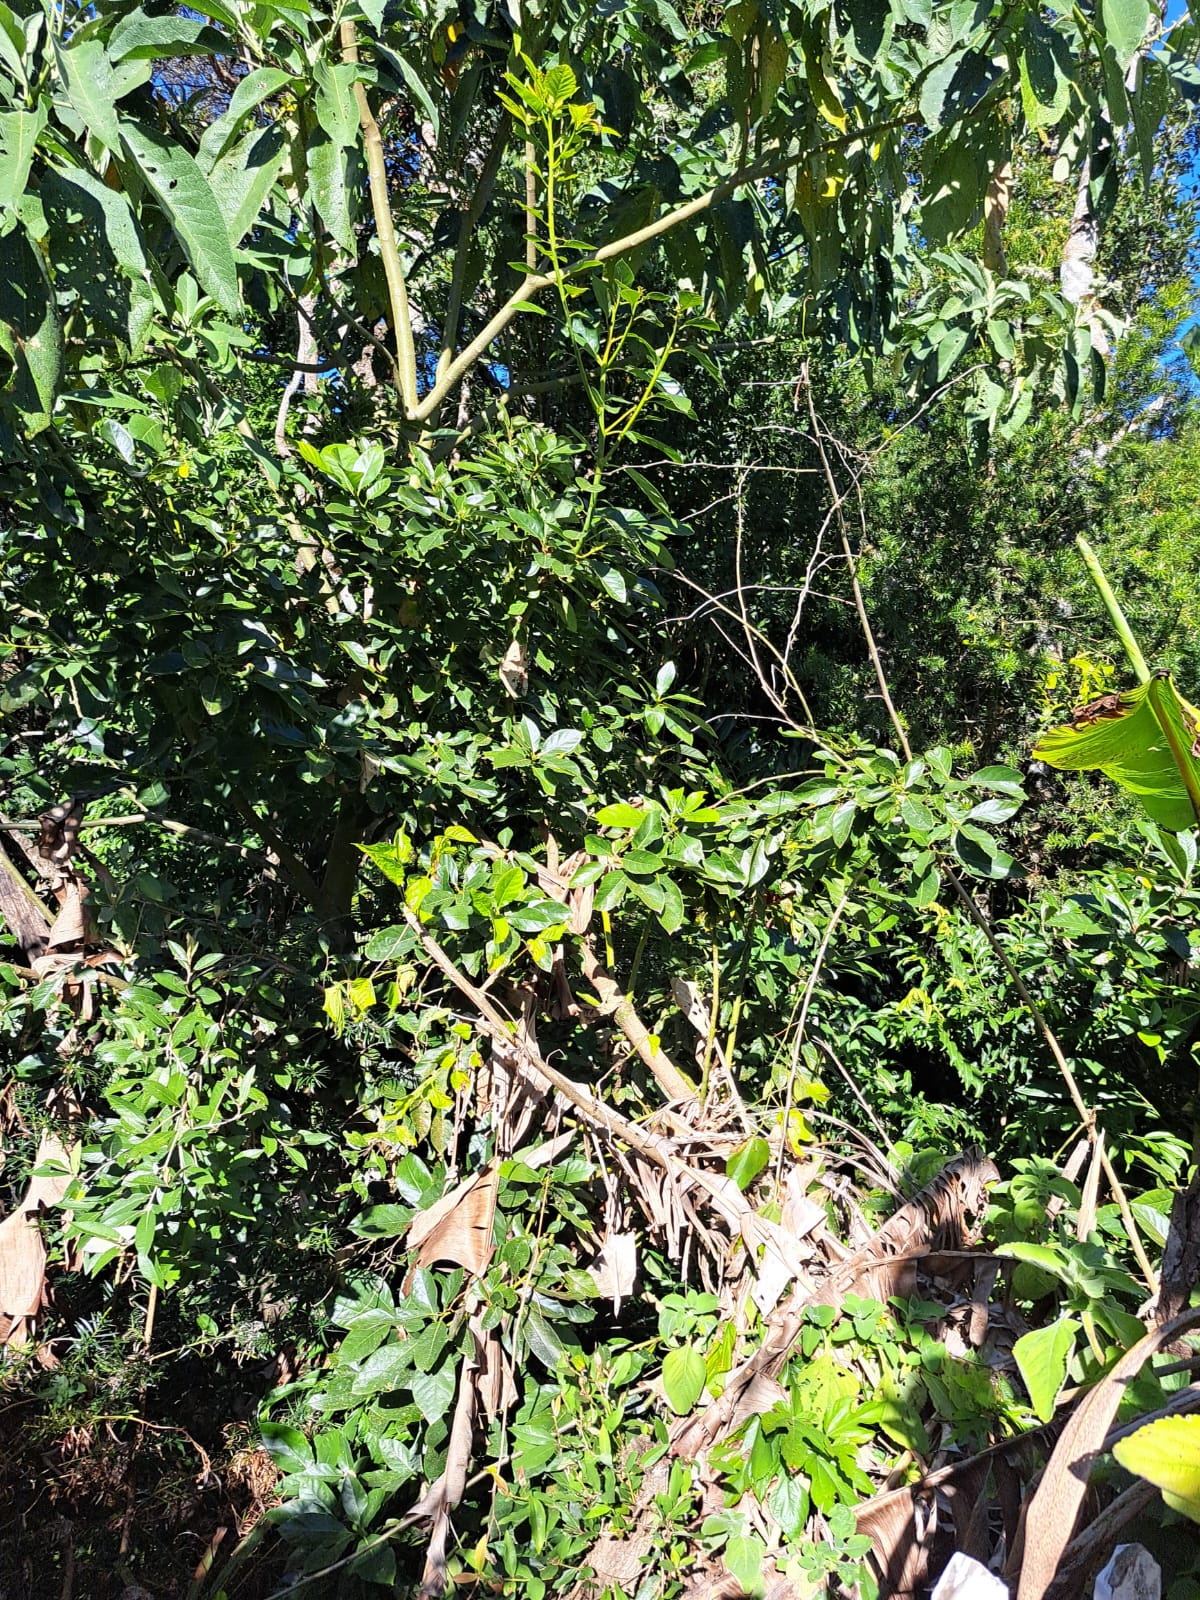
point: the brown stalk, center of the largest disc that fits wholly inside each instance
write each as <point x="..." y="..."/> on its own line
<point x="725" y="1195"/>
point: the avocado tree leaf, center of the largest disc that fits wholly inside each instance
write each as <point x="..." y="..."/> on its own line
<point x="1167" y="1454"/>
<point x="30" y="332"/>
<point x="181" y="190"/>
<point x="1147" y="741"/>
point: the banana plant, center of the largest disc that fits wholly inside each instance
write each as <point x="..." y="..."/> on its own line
<point x="1147" y="740"/>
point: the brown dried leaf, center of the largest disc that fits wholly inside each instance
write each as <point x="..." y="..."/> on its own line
<point x="440" y="1499"/>
<point x="514" y="670"/>
<point x="69" y="931"/>
<point x="615" y="1268"/>
<point x="1052" y="1513"/>
<point x="22" y="1253"/>
<point x="458" y="1227"/>
<point x="27" y="918"/>
<point x="1086" y="1221"/>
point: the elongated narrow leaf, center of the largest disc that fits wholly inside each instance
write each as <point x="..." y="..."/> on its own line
<point x="94" y="86"/>
<point x="250" y="93"/>
<point x="19" y="131"/>
<point x="410" y="77"/>
<point x="1147" y="741"/>
<point x="98" y="253"/>
<point x="181" y="190"/>
<point x="30" y="333"/>
<point x="153" y="38"/>
<point x="332" y="147"/>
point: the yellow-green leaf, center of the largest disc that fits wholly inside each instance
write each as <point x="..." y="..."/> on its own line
<point x="1167" y="1454"/>
<point x="1147" y="741"/>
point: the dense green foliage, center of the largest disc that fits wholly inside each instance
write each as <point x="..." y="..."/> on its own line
<point x="471" y="478"/>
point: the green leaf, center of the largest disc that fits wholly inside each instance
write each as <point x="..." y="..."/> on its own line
<point x="243" y="178"/>
<point x="620" y="816"/>
<point x="180" y="189"/>
<point x="94" y="86"/>
<point x="410" y="76"/>
<point x="744" y="1557"/>
<point x="747" y="1161"/>
<point x="917" y="814"/>
<point x="1167" y="1454"/>
<point x="331" y="147"/>
<point x="30" y="332"/>
<point x="384" y="1370"/>
<point x="19" y="132"/>
<point x="250" y="93"/>
<point x="542" y="1338"/>
<point x="1045" y="73"/>
<point x="1125" y="24"/>
<point x="138" y="36"/>
<point x="1042" y="1358"/>
<point x="672" y="914"/>
<point x="683" y="1376"/>
<point x="1144" y="743"/>
<point x="287" y="1447"/>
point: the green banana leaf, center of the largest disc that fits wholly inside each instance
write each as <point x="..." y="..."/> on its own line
<point x="1147" y="741"/>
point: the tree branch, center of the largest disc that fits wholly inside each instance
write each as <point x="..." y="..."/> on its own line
<point x="767" y="166"/>
<point x="406" y="359"/>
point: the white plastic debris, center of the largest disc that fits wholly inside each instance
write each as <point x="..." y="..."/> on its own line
<point x="966" y="1579"/>
<point x="1132" y="1574"/>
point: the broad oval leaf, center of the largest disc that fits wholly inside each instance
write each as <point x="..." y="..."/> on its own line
<point x="683" y="1376"/>
<point x="1167" y="1454"/>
